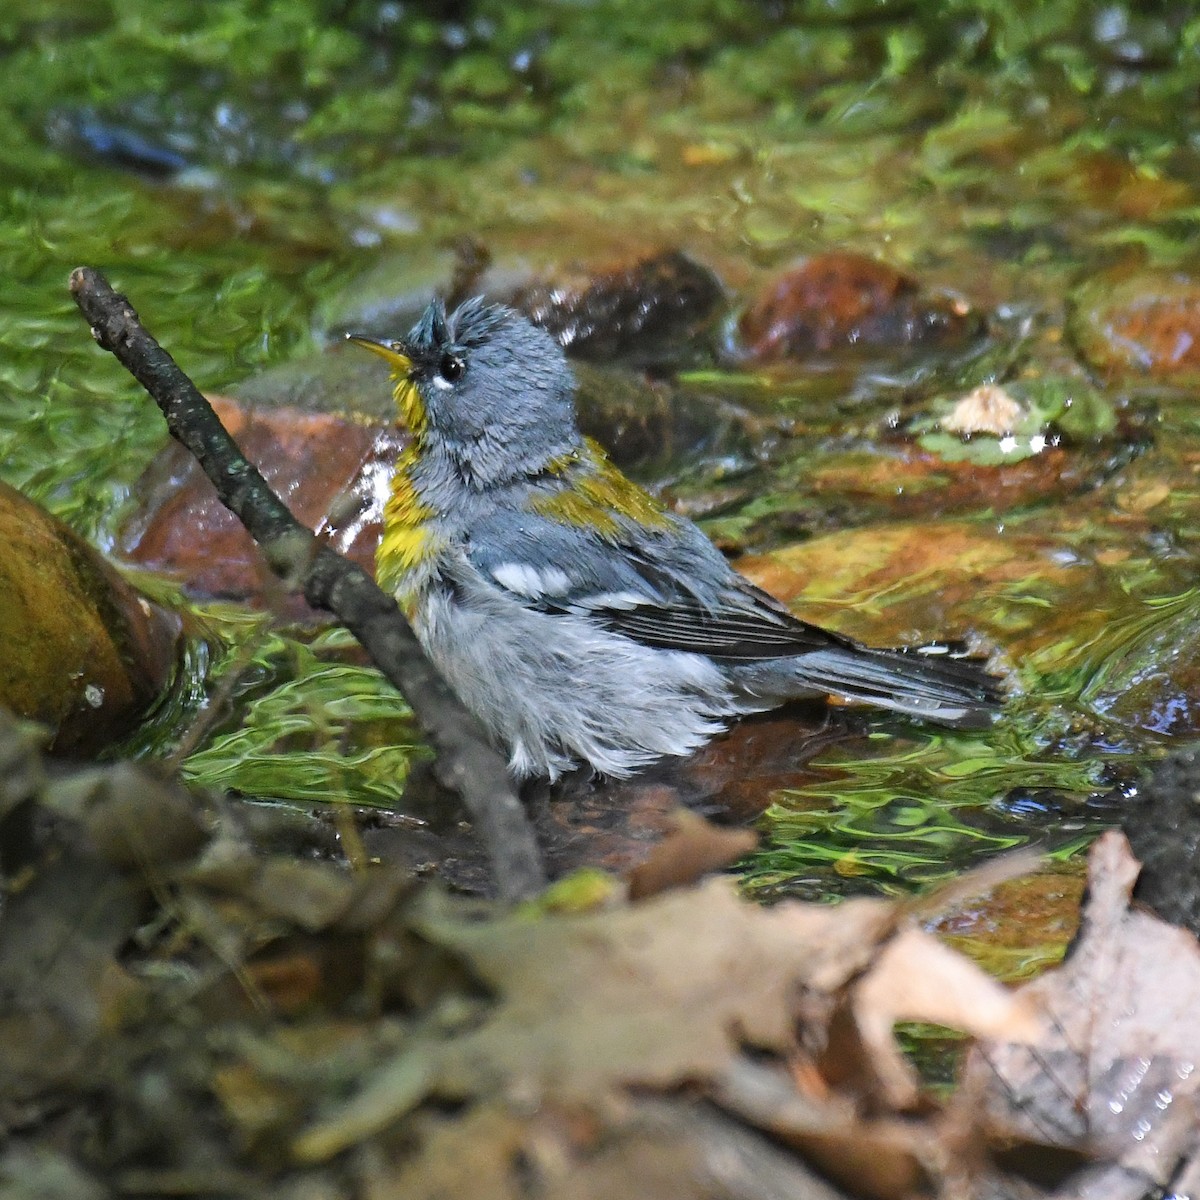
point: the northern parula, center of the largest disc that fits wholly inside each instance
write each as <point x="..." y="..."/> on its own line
<point x="577" y="617"/>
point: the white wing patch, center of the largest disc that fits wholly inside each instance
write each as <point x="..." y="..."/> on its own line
<point x="526" y="580"/>
<point x="622" y="600"/>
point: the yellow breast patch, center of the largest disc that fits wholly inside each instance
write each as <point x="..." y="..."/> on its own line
<point x="408" y="542"/>
<point x="408" y="401"/>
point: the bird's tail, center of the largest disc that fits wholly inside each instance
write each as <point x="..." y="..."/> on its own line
<point x="942" y="681"/>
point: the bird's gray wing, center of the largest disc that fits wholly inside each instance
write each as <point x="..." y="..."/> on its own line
<point x="671" y="590"/>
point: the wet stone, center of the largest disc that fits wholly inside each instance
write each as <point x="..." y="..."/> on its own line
<point x="841" y="300"/>
<point x="81" y="651"/>
<point x="333" y="473"/>
<point x="644" y="311"/>
<point x="938" y="580"/>
<point x="1151" y="680"/>
<point x="910" y="481"/>
<point x="1021" y="926"/>
<point x="938" y="476"/>
<point x="1142" y="324"/>
<point x="644" y="424"/>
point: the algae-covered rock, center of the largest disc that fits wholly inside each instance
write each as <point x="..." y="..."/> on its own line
<point x="81" y="651"/>
<point x="1145" y="323"/>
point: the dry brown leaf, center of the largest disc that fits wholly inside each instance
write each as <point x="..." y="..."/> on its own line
<point x="918" y="978"/>
<point x="665" y="1149"/>
<point x="691" y="850"/>
<point x="658" y="994"/>
<point x="473" y="1156"/>
<point x="987" y="408"/>
<point x="654" y="995"/>
<point x="1116" y="1074"/>
<point x="885" y="1158"/>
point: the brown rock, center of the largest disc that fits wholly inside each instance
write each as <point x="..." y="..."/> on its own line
<point x="906" y="482"/>
<point x="331" y="471"/>
<point x="642" y="310"/>
<point x="1146" y="323"/>
<point x="838" y="300"/>
<point x="81" y="651"/>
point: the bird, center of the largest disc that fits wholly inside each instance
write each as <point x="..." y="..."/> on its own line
<point x="580" y="620"/>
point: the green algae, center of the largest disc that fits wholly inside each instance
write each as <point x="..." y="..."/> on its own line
<point x="997" y="150"/>
<point x="910" y="811"/>
<point x="305" y="727"/>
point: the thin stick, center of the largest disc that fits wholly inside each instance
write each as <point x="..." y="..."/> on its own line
<point x="465" y="760"/>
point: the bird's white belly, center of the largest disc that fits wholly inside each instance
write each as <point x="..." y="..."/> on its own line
<point x="556" y="691"/>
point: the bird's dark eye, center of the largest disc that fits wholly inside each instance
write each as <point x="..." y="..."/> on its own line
<point x="451" y="368"/>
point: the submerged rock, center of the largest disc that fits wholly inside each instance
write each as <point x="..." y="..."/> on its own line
<point x="916" y="582"/>
<point x="1149" y="679"/>
<point x="841" y="300"/>
<point x="1141" y="324"/>
<point x="649" y="308"/>
<point x="81" y="651"/>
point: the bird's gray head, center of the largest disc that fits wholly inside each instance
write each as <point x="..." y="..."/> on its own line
<point x="487" y="387"/>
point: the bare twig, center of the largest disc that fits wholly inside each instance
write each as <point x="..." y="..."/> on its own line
<point x="465" y="760"/>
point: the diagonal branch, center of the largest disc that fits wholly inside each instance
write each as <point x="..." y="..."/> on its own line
<point x="465" y="760"/>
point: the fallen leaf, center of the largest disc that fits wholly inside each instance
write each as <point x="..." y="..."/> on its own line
<point x="918" y="978"/>
<point x="692" y="849"/>
<point x="1115" y="1076"/>
<point x="985" y="409"/>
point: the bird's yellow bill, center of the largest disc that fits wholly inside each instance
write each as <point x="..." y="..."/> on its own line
<point x="400" y="363"/>
<point x="408" y="399"/>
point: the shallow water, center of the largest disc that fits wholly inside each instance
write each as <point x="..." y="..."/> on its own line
<point x="241" y="175"/>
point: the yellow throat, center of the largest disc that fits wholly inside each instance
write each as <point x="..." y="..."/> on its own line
<point x="407" y="543"/>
